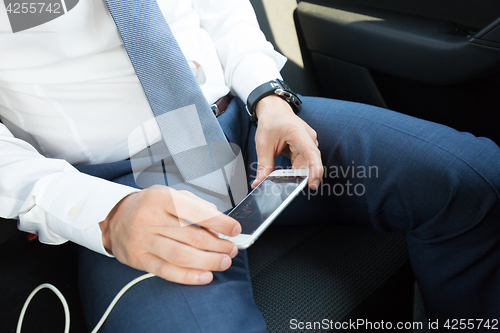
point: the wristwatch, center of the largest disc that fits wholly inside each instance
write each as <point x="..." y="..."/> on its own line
<point x="277" y="87"/>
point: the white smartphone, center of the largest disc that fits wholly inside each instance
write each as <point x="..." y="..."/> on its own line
<point x="261" y="206"/>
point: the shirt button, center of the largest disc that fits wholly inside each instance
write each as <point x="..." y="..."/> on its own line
<point x="74" y="212"/>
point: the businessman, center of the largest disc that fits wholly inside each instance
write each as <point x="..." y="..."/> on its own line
<point x="73" y="91"/>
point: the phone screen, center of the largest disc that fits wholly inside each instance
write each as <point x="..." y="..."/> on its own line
<point x="263" y="201"/>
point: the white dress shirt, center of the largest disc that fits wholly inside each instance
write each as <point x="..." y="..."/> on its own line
<point x="69" y="95"/>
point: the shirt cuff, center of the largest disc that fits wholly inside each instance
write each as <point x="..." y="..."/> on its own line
<point x="72" y="205"/>
<point x="254" y="70"/>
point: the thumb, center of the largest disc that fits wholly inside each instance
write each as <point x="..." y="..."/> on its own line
<point x="265" y="164"/>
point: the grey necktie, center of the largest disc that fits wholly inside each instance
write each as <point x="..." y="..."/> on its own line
<point x="189" y="128"/>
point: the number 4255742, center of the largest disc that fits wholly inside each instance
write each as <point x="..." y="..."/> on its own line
<point x="40" y="7"/>
<point x="471" y="324"/>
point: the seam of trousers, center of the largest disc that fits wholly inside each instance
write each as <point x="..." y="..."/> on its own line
<point x="192" y="312"/>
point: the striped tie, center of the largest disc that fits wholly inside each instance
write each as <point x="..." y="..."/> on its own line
<point x="189" y="128"/>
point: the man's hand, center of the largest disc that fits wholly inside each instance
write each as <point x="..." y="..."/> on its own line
<point x="148" y="231"/>
<point x="281" y="131"/>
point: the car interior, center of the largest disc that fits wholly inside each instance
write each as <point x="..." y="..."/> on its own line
<point x="436" y="60"/>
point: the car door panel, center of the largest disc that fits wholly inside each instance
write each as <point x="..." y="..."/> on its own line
<point x="437" y="60"/>
<point x="412" y="47"/>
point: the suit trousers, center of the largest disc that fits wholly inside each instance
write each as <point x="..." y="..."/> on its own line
<point x="393" y="171"/>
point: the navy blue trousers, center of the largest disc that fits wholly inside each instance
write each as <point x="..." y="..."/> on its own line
<point x="381" y="167"/>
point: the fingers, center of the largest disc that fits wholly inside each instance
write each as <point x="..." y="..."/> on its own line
<point x="315" y="166"/>
<point x="313" y="134"/>
<point x="307" y="146"/>
<point x="183" y="255"/>
<point x="278" y="128"/>
<point x="187" y="206"/>
<point x="171" y="272"/>
<point x="200" y="238"/>
<point x="223" y="224"/>
<point x="182" y="263"/>
<point x="146" y="236"/>
<point x="265" y="161"/>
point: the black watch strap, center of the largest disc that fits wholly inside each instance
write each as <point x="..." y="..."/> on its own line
<point x="274" y="87"/>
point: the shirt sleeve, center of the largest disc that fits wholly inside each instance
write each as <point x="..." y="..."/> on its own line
<point x="51" y="198"/>
<point x="247" y="57"/>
